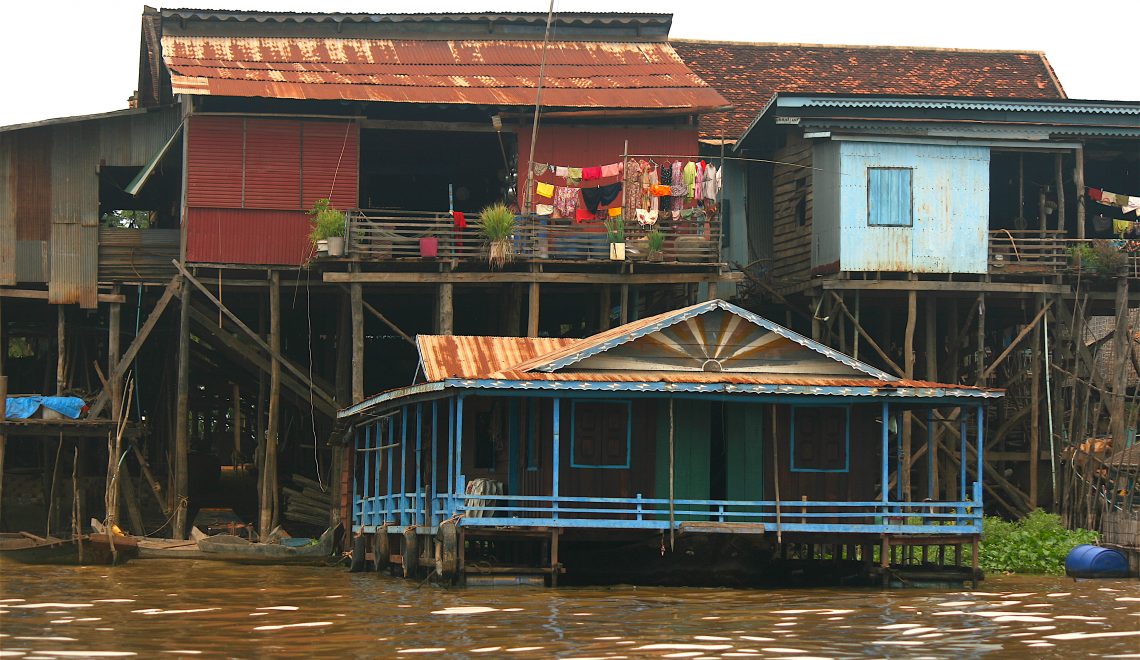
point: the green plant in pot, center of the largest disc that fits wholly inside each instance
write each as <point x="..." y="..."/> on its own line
<point x="329" y="228"/>
<point x="498" y="224"/>
<point x="1100" y="259"/>
<point x="656" y="241"/>
<point x="615" y="232"/>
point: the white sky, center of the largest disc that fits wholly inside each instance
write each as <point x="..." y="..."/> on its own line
<point x="76" y="57"/>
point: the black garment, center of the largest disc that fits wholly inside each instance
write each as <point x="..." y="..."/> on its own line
<point x="666" y="203"/>
<point x="600" y="196"/>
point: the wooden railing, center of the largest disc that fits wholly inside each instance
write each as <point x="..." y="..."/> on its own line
<point x="1032" y="251"/>
<point x="385" y="236"/>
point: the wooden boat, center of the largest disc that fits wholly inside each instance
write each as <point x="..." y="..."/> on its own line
<point x="88" y="549"/>
<point x="289" y="551"/>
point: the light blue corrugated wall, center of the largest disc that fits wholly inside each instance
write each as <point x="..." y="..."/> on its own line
<point x="951" y="209"/>
<point x="735" y="196"/>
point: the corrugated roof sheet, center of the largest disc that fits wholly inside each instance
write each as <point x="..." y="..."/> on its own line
<point x="534" y="18"/>
<point x="585" y="74"/>
<point x="457" y="356"/>
<point x="749" y="74"/>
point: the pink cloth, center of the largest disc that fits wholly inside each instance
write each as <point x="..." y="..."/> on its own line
<point x="565" y="201"/>
<point x="613" y="169"/>
<point x="591" y="173"/>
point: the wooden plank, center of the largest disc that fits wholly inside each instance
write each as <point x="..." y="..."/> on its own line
<point x="541" y="278"/>
<point x="34" y="294"/>
<point x="939" y="285"/>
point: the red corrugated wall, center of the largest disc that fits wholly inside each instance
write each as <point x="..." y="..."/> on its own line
<point x="250" y="181"/>
<point x="587" y="146"/>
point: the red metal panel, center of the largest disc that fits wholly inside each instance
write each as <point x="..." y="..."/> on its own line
<point x="331" y="162"/>
<point x="214" y="162"/>
<point x="272" y="164"/>
<point x="587" y="146"/>
<point x="247" y="236"/>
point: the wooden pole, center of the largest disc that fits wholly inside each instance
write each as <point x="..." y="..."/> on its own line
<point x="356" y="301"/>
<point x="604" y="304"/>
<point x="1035" y="411"/>
<point x="623" y="312"/>
<point x="268" y="510"/>
<point x="532" y="310"/>
<point x="235" y="420"/>
<point x="863" y="333"/>
<point x="1079" y="174"/>
<point x="908" y="372"/>
<point x="115" y="439"/>
<point x="1057" y="161"/>
<point x="980" y="347"/>
<point x="3" y="436"/>
<point x="1121" y="350"/>
<point x="931" y="349"/>
<point x="182" y="421"/>
<point x="446" y="320"/>
<point x="60" y="350"/>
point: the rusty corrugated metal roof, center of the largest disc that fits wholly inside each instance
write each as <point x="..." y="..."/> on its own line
<point x="579" y="74"/>
<point x="452" y="356"/>
<point x="699" y="377"/>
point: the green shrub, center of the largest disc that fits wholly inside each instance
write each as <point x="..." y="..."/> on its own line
<point x="496" y="222"/>
<point x="656" y="240"/>
<point x="327" y="221"/>
<point x="1099" y="258"/>
<point x="615" y="229"/>
<point x="1037" y="543"/>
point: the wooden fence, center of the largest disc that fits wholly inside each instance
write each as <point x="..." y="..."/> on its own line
<point x="384" y="236"/>
<point x="1033" y="251"/>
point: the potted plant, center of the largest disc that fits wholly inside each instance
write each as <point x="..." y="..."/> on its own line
<point x="1101" y="259"/>
<point x="497" y="224"/>
<point x="656" y="240"/>
<point x="329" y="228"/>
<point x="615" y="232"/>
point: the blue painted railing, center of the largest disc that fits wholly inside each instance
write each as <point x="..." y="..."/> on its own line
<point x="403" y="510"/>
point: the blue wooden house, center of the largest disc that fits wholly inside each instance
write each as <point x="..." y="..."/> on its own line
<point x="679" y="437"/>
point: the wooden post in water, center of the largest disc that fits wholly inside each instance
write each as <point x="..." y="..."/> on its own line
<point x="60" y="349"/>
<point x="267" y="517"/>
<point x="1057" y="174"/>
<point x="931" y="349"/>
<point x="908" y="372"/>
<point x="1079" y="176"/>
<point x="1122" y="348"/>
<point x="356" y="302"/>
<point x="182" y="420"/>
<point x="532" y="310"/>
<point x="115" y="442"/>
<point x="1035" y="411"/>
<point x="445" y="302"/>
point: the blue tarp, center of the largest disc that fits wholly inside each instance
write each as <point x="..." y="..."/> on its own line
<point x="23" y="407"/>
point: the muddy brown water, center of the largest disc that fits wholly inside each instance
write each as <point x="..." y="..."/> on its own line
<point x="193" y="609"/>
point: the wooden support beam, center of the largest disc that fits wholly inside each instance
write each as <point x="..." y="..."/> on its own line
<point x="930" y="350"/>
<point x="1118" y="422"/>
<point x="128" y="357"/>
<point x="1079" y="181"/>
<point x="624" y="305"/>
<point x="1058" y="158"/>
<point x="267" y="510"/>
<point x="908" y="371"/>
<point x="385" y="320"/>
<point x="35" y="294"/>
<point x="1016" y="340"/>
<point x="182" y="422"/>
<point x="604" y="305"/>
<point x="863" y="333"/>
<point x="356" y="302"/>
<point x="276" y="355"/>
<point x="235" y="419"/>
<point x="529" y="277"/>
<point x="1035" y="404"/>
<point x="445" y="323"/>
<point x="115" y="384"/>
<point x="60" y="349"/>
<point x="532" y="310"/>
<point x="3" y="436"/>
<point x="942" y="286"/>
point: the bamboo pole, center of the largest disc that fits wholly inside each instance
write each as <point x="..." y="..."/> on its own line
<point x="182" y="421"/>
<point x="114" y="438"/>
<point x="908" y="369"/>
<point x="931" y="349"/>
<point x="1035" y="409"/>
<point x="268" y="510"/>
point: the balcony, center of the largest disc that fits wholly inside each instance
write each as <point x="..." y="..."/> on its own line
<point x="403" y="235"/>
<point x="1036" y="252"/>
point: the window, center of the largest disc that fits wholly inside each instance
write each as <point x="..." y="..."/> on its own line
<point x="889" y="197"/>
<point x="600" y="434"/>
<point x="821" y="439"/>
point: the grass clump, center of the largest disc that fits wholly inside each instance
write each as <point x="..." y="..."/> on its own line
<point x="1037" y="543"/>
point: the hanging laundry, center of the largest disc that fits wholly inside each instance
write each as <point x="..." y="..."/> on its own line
<point x="591" y="173"/>
<point x="613" y="169"/>
<point x="666" y="176"/>
<point x="632" y="187"/>
<point x="566" y="201"/>
<point x="540" y="168"/>
<point x="646" y="218"/>
<point x="600" y="196"/>
<point x="1121" y="227"/>
<point x="680" y="188"/>
<point x="615" y="212"/>
<point x="562" y="172"/>
<point x="584" y="215"/>
<point x="544" y="209"/>
<point x="545" y="189"/>
<point x="1132" y="205"/>
<point x="573" y="175"/>
<point x="689" y="176"/>
<point x="459" y="220"/>
<point x="712" y="182"/>
<point x="660" y="190"/>
<point x="1095" y="194"/>
<point x="699" y="181"/>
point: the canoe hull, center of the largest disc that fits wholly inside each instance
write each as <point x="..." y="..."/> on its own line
<point x="87" y="550"/>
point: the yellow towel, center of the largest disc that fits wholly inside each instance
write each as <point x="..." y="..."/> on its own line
<point x="615" y="212"/>
<point x="545" y="189"/>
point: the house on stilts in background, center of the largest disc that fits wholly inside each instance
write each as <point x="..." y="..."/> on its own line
<point x="731" y="441"/>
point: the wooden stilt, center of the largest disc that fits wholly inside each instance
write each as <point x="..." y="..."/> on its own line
<point x="130" y="495"/>
<point x="1118" y="422"/>
<point x="512" y="315"/>
<point x="532" y="310"/>
<point x="60" y="349"/>
<point x="235" y="422"/>
<point x="268" y="510"/>
<point x="181" y="488"/>
<point x="714" y="290"/>
<point x="980" y="346"/>
<point x="930" y="322"/>
<point x="908" y="370"/>
<point x="3" y="437"/>
<point x="604" y="305"/>
<point x="1079" y="176"/>
<point x="445" y="323"/>
<point x="1035" y="409"/>
<point x="356" y="309"/>
<point x="623" y="317"/>
<point x="1060" y="180"/>
<point x="115" y="383"/>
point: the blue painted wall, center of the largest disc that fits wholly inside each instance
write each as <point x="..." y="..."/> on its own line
<point x="950" y="201"/>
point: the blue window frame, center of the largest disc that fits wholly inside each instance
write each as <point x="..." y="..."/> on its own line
<point x="889" y="197"/>
<point x="601" y="434"/>
<point x="821" y="439"/>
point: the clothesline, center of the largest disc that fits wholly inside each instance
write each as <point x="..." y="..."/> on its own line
<point x="1129" y="203"/>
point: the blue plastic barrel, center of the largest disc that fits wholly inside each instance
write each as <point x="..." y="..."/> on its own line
<point x="1093" y="561"/>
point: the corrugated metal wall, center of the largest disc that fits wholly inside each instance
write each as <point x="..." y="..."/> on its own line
<point x="49" y="206"/>
<point x="588" y="146"/>
<point x="250" y="181"/>
<point x="951" y="209"/>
